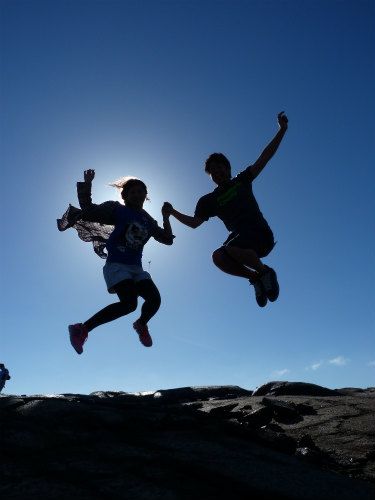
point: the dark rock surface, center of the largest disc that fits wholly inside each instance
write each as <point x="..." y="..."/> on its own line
<point x="284" y="441"/>
<point x="292" y="389"/>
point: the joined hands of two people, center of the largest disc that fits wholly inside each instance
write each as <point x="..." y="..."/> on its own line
<point x="167" y="208"/>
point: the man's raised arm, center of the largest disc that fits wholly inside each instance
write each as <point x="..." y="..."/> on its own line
<point x="272" y="147"/>
<point x="189" y="221"/>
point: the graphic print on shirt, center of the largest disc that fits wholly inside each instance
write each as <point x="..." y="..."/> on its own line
<point x="229" y="194"/>
<point x="134" y="236"/>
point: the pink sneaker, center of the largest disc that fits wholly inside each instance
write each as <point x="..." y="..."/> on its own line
<point x="78" y="336"/>
<point x="144" y="335"/>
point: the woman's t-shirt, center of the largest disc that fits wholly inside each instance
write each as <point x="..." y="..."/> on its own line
<point x="132" y="231"/>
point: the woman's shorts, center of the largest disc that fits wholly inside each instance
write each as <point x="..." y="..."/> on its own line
<point x="115" y="272"/>
<point x="261" y="242"/>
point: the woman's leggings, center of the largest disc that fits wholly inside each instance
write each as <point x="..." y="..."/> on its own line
<point x="128" y="292"/>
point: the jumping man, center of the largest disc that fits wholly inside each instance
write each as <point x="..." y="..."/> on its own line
<point x="250" y="237"/>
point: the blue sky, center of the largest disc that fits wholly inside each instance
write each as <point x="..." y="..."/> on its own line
<point x="150" y="89"/>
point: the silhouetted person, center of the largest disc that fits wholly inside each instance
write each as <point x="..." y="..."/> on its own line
<point x="233" y="202"/>
<point x="4" y="376"/>
<point x="123" y="229"/>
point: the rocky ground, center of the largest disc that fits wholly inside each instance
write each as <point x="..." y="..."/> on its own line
<point x="285" y="440"/>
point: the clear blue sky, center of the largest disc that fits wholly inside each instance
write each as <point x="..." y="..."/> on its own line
<point x="151" y="88"/>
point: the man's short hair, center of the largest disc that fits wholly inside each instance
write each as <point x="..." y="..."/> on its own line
<point x="216" y="158"/>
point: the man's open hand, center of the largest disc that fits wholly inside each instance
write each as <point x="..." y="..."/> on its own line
<point x="282" y="120"/>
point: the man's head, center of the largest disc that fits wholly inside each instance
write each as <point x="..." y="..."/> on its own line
<point x="217" y="166"/>
<point x="2" y="366"/>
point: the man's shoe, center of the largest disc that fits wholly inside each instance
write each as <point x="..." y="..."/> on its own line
<point x="270" y="284"/>
<point x="144" y="335"/>
<point x="260" y="293"/>
<point x="78" y="336"/>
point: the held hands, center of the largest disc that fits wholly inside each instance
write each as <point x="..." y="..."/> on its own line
<point x="166" y="209"/>
<point x="89" y="175"/>
<point x="282" y="120"/>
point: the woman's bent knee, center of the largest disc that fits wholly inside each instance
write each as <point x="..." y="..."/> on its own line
<point x="129" y="305"/>
<point x="155" y="300"/>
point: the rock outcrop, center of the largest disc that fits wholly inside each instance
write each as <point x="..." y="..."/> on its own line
<point x="284" y="441"/>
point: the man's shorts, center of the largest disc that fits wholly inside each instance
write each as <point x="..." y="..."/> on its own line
<point x="262" y="242"/>
<point x="115" y="272"/>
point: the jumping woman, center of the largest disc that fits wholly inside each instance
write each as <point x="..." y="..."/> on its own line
<point x="123" y="229"/>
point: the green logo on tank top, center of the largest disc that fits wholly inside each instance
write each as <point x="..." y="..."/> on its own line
<point x="229" y="194"/>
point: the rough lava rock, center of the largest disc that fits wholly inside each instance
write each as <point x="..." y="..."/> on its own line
<point x="292" y="389"/>
<point x="284" y="441"/>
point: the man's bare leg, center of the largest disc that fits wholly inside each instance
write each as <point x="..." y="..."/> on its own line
<point x="246" y="257"/>
<point x="229" y="265"/>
